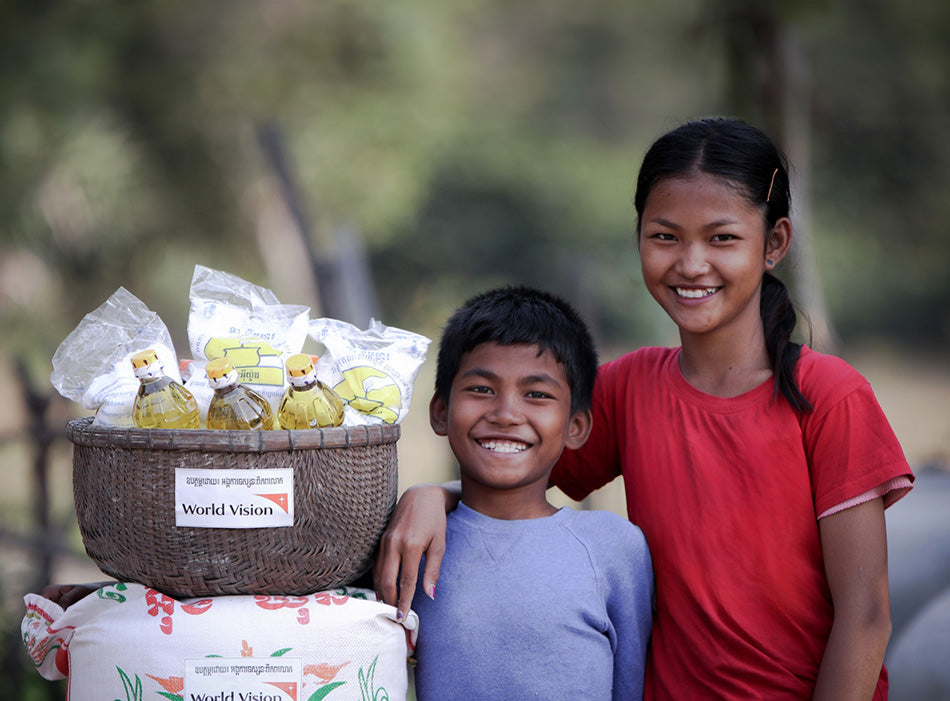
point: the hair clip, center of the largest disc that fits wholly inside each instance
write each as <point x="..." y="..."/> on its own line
<point x="768" y="195"/>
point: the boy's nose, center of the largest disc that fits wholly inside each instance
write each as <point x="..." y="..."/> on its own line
<point x="504" y="411"/>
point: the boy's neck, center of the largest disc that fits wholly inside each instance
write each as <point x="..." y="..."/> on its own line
<point x="510" y="505"/>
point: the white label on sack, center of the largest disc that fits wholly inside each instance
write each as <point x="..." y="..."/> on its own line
<point x="234" y="498"/>
<point x="243" y="679"/>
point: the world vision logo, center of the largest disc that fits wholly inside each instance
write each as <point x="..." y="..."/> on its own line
<point x="256" y="361"/>
<point x="289" y="688"/>
<point x="279" y="499"/>
<point x="371" y="391"/>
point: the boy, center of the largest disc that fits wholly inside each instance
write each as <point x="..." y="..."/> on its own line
<point x="533" y="601"/>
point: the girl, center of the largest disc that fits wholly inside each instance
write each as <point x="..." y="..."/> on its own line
<point x="758" y="469"/>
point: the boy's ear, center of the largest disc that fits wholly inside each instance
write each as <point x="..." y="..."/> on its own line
<point x="579" y="429"/>
<point x="439" y="415"/>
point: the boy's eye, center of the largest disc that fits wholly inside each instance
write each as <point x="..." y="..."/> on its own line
<point x="480" y="389"/>
<point x="724" y="237"/>
<point x="538" y="394"/>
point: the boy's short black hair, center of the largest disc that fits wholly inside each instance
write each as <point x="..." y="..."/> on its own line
<point x="516" y="315"/>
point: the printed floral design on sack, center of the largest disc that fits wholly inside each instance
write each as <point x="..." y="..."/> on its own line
<point x="368" y="690"/>
<point x="174" y="686"/>
<point x="133" y="690"/>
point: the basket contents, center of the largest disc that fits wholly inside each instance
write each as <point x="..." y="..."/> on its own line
<point x="307" y="402"/>
<point x="234" y="406"/>
<point x="160" y="402"/>
<point x="127" y="641"/>
<point x="372" y="372"/>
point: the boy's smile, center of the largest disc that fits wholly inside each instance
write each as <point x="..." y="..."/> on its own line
<point x="508" y="419"/>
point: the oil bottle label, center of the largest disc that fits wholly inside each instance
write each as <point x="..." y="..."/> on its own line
<point x="257" y="498"/>
<point x="256" y="361"/>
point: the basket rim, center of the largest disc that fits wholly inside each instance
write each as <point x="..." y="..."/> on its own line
<point x="81" y="431"/>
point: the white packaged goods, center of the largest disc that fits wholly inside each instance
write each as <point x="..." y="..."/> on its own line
<point x="235" y="319"/>
<point x="127" y="641"/>
<point x="373" y="371"/>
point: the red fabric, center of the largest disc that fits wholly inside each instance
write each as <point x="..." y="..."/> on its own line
<point x="726" y="492"/>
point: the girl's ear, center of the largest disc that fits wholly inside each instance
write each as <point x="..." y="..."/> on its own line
<point x="778" y="243"/>
<point x="439" y="415"/>
<point x="579" y="429"/>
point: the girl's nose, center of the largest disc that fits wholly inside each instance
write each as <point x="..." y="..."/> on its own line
<point x="692" y="261"/>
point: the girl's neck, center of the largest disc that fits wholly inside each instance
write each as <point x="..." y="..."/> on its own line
<point x="724" y="365"/>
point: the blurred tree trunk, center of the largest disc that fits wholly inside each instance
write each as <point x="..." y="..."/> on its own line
<point x="338" y="272"/>
<point x="768" y="83"/>
<point x="796" y="135"/>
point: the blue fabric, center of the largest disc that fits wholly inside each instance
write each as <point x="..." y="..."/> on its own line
<point x="550" y="608"/>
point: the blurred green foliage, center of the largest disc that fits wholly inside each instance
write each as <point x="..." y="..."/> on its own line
<point x="470" y="143"/>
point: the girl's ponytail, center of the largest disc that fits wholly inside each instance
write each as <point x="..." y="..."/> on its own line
<point x="778" y="320"/>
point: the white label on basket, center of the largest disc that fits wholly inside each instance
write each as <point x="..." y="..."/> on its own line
<point x="243" y="679"/>
<point x="234" y="498"/>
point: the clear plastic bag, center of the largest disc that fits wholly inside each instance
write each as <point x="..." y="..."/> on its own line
<point x="92" y="366"/>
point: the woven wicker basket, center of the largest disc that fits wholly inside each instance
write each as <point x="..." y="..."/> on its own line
<point x="345" y="482"/>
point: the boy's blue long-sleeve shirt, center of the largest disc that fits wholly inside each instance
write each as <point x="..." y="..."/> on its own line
<point x="553" y="608"/>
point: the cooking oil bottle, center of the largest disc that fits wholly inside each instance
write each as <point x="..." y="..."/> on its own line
<point x="307" y="403"/>
<point x="161" y="402"/>
<point x="233" y="405"/>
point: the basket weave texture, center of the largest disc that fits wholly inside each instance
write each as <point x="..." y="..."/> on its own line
<point x="345" y="483"/>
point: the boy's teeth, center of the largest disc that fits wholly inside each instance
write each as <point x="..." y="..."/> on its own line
<point x="504" y="446"/>
<point x="695" y="294"/>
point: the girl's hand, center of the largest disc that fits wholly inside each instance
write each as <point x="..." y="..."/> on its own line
<point x="68" y="594"/>
<point x="417" y="528"/>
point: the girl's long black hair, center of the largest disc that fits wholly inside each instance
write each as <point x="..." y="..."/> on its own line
<point x="745" y="157"/>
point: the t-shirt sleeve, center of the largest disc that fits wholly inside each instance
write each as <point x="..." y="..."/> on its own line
<point x="851" y="446"/>
<point x="628" y="580"/>
<point x="582" y="471"/>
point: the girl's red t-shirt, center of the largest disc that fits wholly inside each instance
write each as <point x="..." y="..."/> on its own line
<point x="727" y="492"/>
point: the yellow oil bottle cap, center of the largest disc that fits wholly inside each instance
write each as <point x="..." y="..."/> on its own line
<point x="218" y="368"/>
<point x="144" y="358"/>
<point x="299" y="365"/>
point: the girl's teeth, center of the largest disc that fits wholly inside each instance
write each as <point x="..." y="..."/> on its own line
<point x="695" y="294"/>
<point x="504" y="446"/>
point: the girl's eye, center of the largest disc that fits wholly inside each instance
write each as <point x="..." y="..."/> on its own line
<point x="663" y="236"/>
